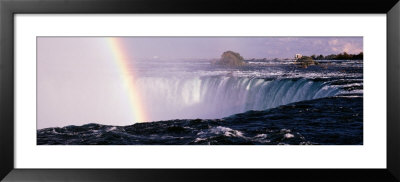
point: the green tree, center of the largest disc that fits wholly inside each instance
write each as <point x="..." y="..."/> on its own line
<point x="230" y="58"/>
<point x="313" y="56"/>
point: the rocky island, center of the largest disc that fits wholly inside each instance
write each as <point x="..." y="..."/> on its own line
<point x="230" y="59"/>
<point x="306" y="61"/>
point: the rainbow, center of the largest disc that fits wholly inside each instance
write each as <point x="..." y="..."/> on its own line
<point x="120" y="55"/>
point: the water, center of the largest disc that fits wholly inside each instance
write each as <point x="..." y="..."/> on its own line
<point x="326" y="121"/>
<point x="265" y="102"/>
<point x="212" y="97"/>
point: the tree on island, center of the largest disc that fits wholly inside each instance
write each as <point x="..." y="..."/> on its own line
<point x="230" y="58"/>
<point x="341" y="56"/>
<point x="306" y="61"/>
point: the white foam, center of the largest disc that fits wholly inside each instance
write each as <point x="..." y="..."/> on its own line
<point x="288" y="135"/>
<point x="226" y="131"/>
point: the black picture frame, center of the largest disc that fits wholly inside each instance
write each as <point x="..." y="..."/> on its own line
<point x="9" y="8"/>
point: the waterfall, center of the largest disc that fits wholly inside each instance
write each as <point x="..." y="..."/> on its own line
<point x="210" y="97"/>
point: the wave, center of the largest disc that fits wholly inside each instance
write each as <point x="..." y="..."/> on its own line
<point x="211" y="97"/>
<point x="326" y="121"/>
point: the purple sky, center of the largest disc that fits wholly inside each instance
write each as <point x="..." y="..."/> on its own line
<point x="267" y="47"/>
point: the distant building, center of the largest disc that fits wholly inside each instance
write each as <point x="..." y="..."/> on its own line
<point x="298" y="56"/>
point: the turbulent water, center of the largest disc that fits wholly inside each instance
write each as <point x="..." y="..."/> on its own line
<point x="265" y="102"/>
<point x="211" y="97"/>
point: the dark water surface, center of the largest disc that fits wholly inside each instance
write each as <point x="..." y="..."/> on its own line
<point x="327" y="121"/>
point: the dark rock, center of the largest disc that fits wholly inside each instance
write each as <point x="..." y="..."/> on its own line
<point x="231" y="59"/>
<point x="306" y="61"/>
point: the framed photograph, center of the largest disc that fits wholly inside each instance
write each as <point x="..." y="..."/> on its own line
<point x="129" y="90"/>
